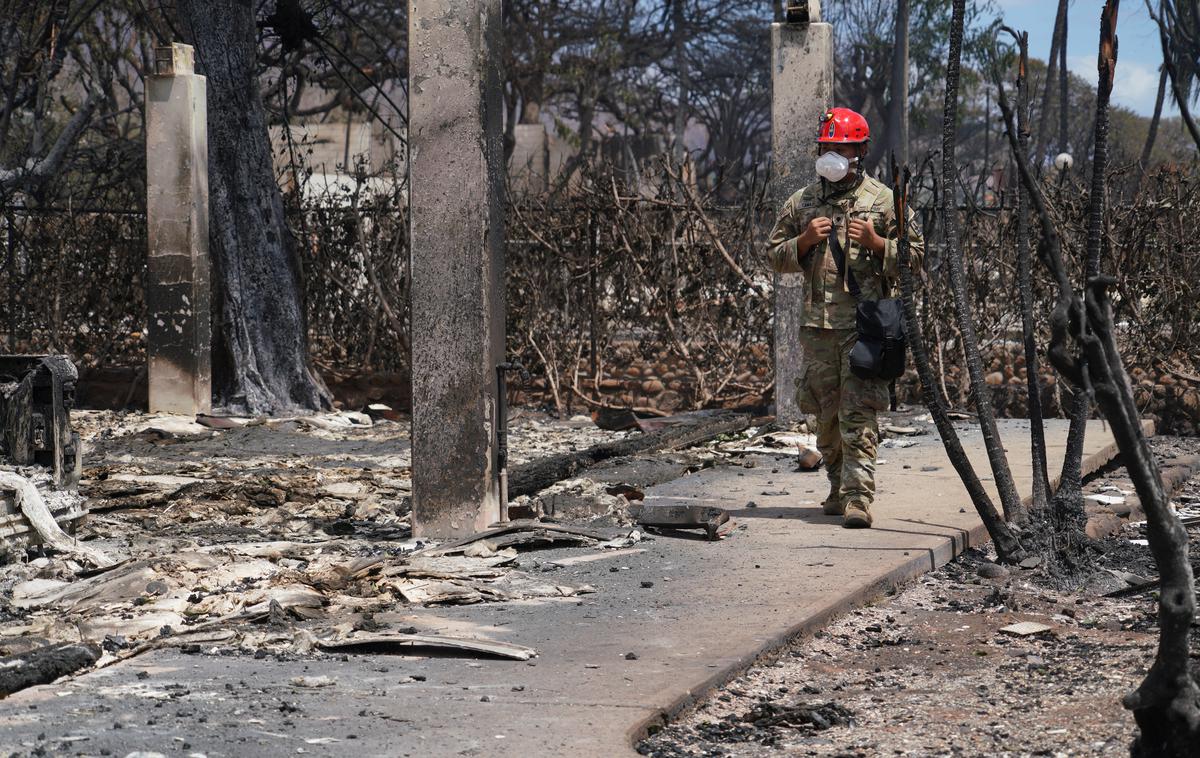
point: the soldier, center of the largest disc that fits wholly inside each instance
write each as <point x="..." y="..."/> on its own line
<point x="860" y="211"/>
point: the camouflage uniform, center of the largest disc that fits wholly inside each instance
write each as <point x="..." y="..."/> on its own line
<point x="844" y="405"/>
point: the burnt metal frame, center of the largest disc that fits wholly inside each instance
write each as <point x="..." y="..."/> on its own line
<point x="37" y="393"/>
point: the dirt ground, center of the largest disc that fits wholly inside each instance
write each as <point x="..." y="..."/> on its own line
<point x="928" y="671"/>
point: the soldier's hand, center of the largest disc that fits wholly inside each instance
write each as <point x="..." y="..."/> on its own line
<point x="863" y="232"/>
<point x="817" y="230"/>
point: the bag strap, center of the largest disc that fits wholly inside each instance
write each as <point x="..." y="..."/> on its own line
<point x="887" y="284"/>
<point x="839" y="257"/>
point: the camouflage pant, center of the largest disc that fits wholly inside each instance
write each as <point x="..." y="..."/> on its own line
<point x="845" y="407"/>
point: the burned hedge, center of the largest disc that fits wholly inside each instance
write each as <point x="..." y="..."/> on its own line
<point x="655" y="297"/>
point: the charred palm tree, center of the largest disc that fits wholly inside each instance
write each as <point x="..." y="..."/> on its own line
<point x="1008" y="546"/>
<point x="1037" y="431"/>
<point x="1068" y="501"/>
<point x="1058" y="43"/>
<point x="1062" y="541"/>
<point x="1014" y="509"/>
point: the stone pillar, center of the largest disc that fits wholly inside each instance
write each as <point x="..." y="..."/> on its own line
<point x="456" y="165"/>
<point x="179" y="332"/>
<point x="801" y="89"/>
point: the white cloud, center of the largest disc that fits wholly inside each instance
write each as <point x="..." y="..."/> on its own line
<point x="1135" y="86"/>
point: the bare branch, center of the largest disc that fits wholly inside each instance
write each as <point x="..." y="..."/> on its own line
<point x="50" y="164"/>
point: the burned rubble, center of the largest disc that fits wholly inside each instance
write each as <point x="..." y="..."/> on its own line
<point x="40" y="457"/>
<point x="310" y="213"/>
<point x="974" y="658"/>
<point x="293" y="537"/>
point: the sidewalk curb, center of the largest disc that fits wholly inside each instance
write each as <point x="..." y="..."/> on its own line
<point x="936" y="557"/>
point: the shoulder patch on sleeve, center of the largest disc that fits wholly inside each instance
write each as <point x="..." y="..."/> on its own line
<point x="799" y="198"/>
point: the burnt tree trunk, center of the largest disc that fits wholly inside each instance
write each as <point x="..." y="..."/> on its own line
<point x="1152" y="135"/>
<point x="1037" y="431"/>
<point x="1014" y="509"/>
<point x="897" y="123"/>
<point x="1008" y="546"/>
<point x="261" y="363"/>
<point x="1060" y="20"/>
<point x="535" y="476"/>
<point x="1096" y="200"/>
<point x="679" y="27"/>
<point x="1064" y="79"/>
<point x="1068" y="501"/>
<point x="44" y="665"/>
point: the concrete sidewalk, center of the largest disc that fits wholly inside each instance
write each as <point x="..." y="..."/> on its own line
<point x="692" y="613"/>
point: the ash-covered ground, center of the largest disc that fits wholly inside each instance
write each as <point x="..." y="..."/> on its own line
<point x="927" y="671"/>
<point x="206" y="529"/>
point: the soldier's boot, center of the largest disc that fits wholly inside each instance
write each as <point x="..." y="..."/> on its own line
<point x="858" y="515"/>
<point x="833" y="503"/>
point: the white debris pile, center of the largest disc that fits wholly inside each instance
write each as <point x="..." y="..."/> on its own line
<point x="286" y="535"/>
<point x="770" y="443"/>
<point x="580" y="499"/>
<point x="33" y="512"/>
<point x="530" y="439"/>
<point x="309" y="586"/>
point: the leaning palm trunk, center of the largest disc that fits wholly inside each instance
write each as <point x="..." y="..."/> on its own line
<point x="1056" y="41"/>
<point x="1014" y="509"/>
<point x="1037" y="430"/>
<point x="1152" y="134"/>
<point x="1008" y="546"/>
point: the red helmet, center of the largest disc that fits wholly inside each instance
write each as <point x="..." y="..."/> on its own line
<point x="843" y="126"/>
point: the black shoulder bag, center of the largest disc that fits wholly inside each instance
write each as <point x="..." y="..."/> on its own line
<point x="880" y="350"/>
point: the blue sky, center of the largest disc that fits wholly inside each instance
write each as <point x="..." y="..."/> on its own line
<point x="1138" y="56"/>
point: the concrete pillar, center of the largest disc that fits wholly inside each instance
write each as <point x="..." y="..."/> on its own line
<point x="456" y="164"/>
<point x="179" y="332"/>
<point x="801" y="89"/>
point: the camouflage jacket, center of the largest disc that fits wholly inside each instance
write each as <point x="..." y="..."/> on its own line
<point x="828" y="303"/>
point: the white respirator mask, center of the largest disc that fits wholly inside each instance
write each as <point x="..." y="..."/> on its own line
<point x="833" y="167"/>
